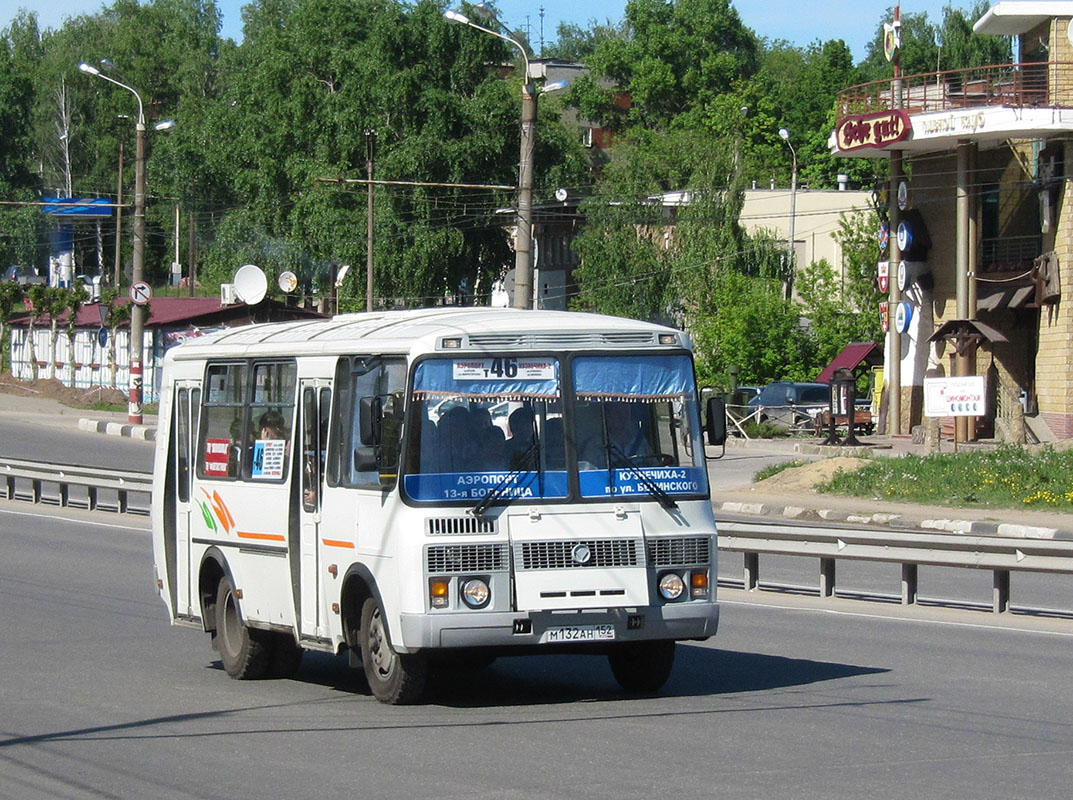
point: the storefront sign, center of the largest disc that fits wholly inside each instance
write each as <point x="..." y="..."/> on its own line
<point x="873" y="130"/>
<point x="955" y="397"/>
<point x="903" y="315"/>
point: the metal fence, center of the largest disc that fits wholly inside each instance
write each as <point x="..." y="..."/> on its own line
<point x="68" y="485"/>
<point x="1000" y="554"/>
<point x="110" y="490"/>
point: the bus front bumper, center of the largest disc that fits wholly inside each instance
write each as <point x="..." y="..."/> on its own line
<point x="526" y="629"/>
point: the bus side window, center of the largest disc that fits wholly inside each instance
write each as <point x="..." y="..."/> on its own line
<point x="221" y="426"/>
<point x="386" y="379"/>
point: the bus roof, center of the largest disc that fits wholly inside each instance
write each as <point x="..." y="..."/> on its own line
<point x="422" y="330"/>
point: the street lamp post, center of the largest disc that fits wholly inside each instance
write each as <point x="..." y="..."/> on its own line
<point x="137" y="313"/>
<point x="785" y="136"/>
<point x="523" y="281"/>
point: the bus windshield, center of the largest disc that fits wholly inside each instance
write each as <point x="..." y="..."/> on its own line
<point x="500" y="425"/>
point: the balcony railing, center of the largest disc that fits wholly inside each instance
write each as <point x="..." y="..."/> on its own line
<point x="1005" y="254"/>
<point x="1040" y="84"/>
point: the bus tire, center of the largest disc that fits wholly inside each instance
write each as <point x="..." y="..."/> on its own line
<point x="642" y="666"/>
<point x="286" y="656"/>
<point x="245" y="652"/>
<point x="394" y="678"/>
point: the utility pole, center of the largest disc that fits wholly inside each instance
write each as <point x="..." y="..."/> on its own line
<point x="118" y="276"/>
<point x="370" y="147"/>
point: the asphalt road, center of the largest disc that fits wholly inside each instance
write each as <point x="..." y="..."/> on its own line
<point x="28" y="437"/>
<point x="800" y="698"/>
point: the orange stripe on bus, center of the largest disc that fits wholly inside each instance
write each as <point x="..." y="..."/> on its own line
<point x="273" y="537"/>
<point x="337" y="543"/>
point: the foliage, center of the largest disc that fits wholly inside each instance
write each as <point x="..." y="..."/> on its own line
<point x="751" y="325"/>
<point x="574" y="43"/>
<point x="1008" y="477"/>
<point x="675" y="58"/>
<point x="929" y="47"/>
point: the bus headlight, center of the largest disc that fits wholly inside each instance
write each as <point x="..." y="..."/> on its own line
<point x="475" y="593"/>
<point x="671" y="586"/>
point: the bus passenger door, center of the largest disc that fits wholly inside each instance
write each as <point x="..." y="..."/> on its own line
<point x="187" y="403"/>
<point x="316" y="396"/>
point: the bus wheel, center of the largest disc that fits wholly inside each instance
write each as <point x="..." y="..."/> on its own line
<point x="286" y="656"/>
<point x="394" y="678"/>
<point x="244" y="651"/>
<point x="642" y="666"/>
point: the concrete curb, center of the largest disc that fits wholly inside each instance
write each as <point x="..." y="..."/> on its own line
<point x="962" y="526"/>
<point x="142" y="432"/>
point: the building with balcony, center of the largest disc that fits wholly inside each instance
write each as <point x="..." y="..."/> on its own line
<point x="980" y="226"/>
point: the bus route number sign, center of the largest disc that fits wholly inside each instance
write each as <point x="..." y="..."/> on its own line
<point x="523" y="369"/>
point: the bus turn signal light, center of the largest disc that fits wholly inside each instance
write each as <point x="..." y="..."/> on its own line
<point x="437" y="593"/>
<point x="698" y="584"/>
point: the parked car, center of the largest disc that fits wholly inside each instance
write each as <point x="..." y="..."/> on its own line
<point x="791" y="405"/>
<point x="23" y="275"/>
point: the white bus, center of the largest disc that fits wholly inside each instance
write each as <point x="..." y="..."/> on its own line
<point x="420" y="486"/>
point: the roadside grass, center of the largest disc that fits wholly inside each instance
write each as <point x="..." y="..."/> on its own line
<point x="775" y="469"/>
<point x="1007" y="477"/>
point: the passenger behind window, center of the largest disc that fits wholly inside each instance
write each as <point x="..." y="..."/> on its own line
<point x="272" y="426"/>
<point x="522" y="432"/>
<point x="457" y="443"/>
<point x="493" y="445"/>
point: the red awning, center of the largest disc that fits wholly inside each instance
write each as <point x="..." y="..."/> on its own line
<point x="852" y="356"/>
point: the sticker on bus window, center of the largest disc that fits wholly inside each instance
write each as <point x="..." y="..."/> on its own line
<point x="216" y="455"/>
<point x="519" y="369"/>
<point x="268" y="456"/>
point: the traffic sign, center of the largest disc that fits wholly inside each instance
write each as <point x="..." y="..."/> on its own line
<point x="140" y="293"/>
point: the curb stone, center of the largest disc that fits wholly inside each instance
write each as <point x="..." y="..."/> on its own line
<point x="959" y="526"/>
<point x="143" y="432"/>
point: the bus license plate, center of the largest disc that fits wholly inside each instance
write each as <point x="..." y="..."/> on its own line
<point x="579" y="633"/>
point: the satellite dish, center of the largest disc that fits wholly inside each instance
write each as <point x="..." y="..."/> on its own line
<point x="560" y="195"/>
<point x="250" y="284"/>
<point x="340" y="275"/>
<point x="288" y="282"/>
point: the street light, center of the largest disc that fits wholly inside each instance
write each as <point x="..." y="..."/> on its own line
<point x="785" y="135"/>
<point x="523" y="281"/>
<point x="137" y="313"/>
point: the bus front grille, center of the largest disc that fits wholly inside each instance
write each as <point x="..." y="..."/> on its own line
<point x="577" y="553"/>
<point x="679" y="551"/>
<point x="440" y="526"/>
<point x="450" y="559"/>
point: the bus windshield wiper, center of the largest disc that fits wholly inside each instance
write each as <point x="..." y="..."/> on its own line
<point x="530" y="456"/>
<point x="624" y="461"/>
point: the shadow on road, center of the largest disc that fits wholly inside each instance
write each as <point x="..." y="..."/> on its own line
<point x="538" y="680"/>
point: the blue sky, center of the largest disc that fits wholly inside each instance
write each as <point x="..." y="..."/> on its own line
<point x="854" y="21"/>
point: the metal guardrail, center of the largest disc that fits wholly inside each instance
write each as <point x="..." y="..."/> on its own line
<point x="26" y="480"/>
<point x="95" y="488"/>
<point x="1000" y="554"/>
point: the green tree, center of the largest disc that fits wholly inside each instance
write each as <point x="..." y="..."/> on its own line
<point x="749" y="324"/>
<point x="11" y="305"/>
<point x="574" y="43"/>
<point x="677" y="58"/>
<point x="73" y="298"/>
<point x="117" y="316"/>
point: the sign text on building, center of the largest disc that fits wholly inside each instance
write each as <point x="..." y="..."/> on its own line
<point x="873" y="130"/>
<point x="955" y="397"/>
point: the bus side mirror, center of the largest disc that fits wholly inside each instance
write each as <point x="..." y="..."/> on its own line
<point x="371" y="420"/>
<point x="716" y="426"/>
